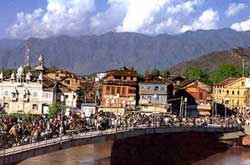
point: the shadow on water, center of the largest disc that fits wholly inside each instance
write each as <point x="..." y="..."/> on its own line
<point x="170" y="149"/>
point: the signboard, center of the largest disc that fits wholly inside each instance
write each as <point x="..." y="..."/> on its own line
<point x="247" y="83"/>
<point x="88" y="110"/>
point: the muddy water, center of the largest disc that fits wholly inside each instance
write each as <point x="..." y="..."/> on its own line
<point x="93" y="154"/>
<point x="233" y="156"/>
<point x="99" y="154"/>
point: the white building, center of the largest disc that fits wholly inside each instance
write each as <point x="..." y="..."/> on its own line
<point x="33" y="92"/>
<point x="26" y="93"/>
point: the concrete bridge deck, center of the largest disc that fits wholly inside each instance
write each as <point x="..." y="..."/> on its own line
<point x="19" y="153"/>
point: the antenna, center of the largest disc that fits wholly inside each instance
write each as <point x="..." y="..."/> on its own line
<point x="27" y="55"/>
<point x="243" y="67"/>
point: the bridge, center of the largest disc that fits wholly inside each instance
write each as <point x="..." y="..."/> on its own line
<point x="20" y="153"/>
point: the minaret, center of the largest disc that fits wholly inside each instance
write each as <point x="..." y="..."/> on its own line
<point x="27" y="55"/>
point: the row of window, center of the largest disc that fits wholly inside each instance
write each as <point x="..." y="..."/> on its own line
<point x="228" y="92"/>
<point x="34" y="94"/>
<point x="116" y="90"/>
<point x="34" y="106"/>
<point x="155" y="88"/>
<point x="124" y="78"/>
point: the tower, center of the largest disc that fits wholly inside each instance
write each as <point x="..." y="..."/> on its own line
<point x="27" y="55"/>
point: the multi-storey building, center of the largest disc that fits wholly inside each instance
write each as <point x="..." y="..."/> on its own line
<point x="119" y="90"/>
<point x="33" y="92"/>
<point x="233" y="93"/>
<point x="154" y="93"/>
<point x="26" y="93"/>
<point x="197" y="95"/>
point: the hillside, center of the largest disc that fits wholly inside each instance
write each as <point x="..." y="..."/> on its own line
<point x="86" y="54"/>
<point x="212" y="61"/>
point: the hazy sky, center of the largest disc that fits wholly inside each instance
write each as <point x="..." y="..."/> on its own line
<point x="45" y="18"/>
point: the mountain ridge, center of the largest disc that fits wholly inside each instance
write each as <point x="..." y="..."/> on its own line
<point x="93" y="53"/>
<point x="211" y="61"/>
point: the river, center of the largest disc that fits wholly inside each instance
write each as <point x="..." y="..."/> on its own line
<point x="99" y="154"/>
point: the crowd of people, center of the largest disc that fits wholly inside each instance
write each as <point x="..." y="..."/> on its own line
<point x="19" y="131"/>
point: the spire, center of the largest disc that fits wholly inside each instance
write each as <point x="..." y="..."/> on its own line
<point x="40" y="60"/>
<point x="40" y="78"/>
<point x="13" y="76"/>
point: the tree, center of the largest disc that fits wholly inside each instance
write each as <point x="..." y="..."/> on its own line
<point x="225" y="71"/>
<point x="155" y="72"/>
<point x="165" y="73"/>
<point x="196" y="73"/>
<point x="55" y="109"/>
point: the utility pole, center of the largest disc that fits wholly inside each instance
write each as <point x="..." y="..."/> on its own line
<point x="180" y="114"/>
<point x="27" y="55"/>
<point x="216" y="109"/>
<point x="185" y="100"/>
<point x="243" y="68"/>
<point x="225" y="112"/>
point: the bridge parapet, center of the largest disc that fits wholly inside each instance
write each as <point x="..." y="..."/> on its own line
<point x="19" y="153"/>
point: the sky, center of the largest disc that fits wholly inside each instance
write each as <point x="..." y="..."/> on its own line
<point x="45" y="18"/>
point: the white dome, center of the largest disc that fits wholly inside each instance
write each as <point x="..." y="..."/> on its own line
<point x="40" y="60"/>
<point x="1" y="75"/>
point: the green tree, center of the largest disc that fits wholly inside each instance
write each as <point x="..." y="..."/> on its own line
<point x="55" y="109"/>
<point x="155" y="72"/>
<point x="165" y="73"/>
<point x="225" y="71"/>
<point x="196" y="73"/>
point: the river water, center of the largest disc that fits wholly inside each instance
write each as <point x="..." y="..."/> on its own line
<point x="99" y="154"/>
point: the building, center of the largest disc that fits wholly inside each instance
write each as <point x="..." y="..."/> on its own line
<point x="26" y="93"/>
<point x="66" y="78"/>
<point x="232" y="93"/>
<point x="119" y="88"/>
<point x="198" y="96"/>
<point x="33" y="91"/>
<point x="154" y="93"/>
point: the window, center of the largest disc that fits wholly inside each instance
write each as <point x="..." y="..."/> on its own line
<point x="242" y="83"/>
<point x="67" y="81"/>
<point x="117" y="77"/>
<point x="113" y="90"/>
<point x="34" y="94"/>
<point x="118" y="90"/>
<point x="107" y="90"/>
<point x="156" y="88"/>
<point x="232" y="92"/>
<point x="34" y="106"/>
<point x="66" y="97"/>
<point x="6" y="105"/>
<point x="227" y="92"/>
<point x="46" y="95"/>
<point x="238" y="92"/>
<point x="131" y="78"/>
<point x="162" y="88"/>
<point x="131" y="91"/>
<point x="6" y="93"/>
<point x="123" y="91"/>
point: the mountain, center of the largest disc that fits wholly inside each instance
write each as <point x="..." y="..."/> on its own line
<point x="212" y="61"/>
<point x="86" y="54"/>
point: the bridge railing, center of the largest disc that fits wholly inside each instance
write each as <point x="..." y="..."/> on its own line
<point x="89" y="134"/>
